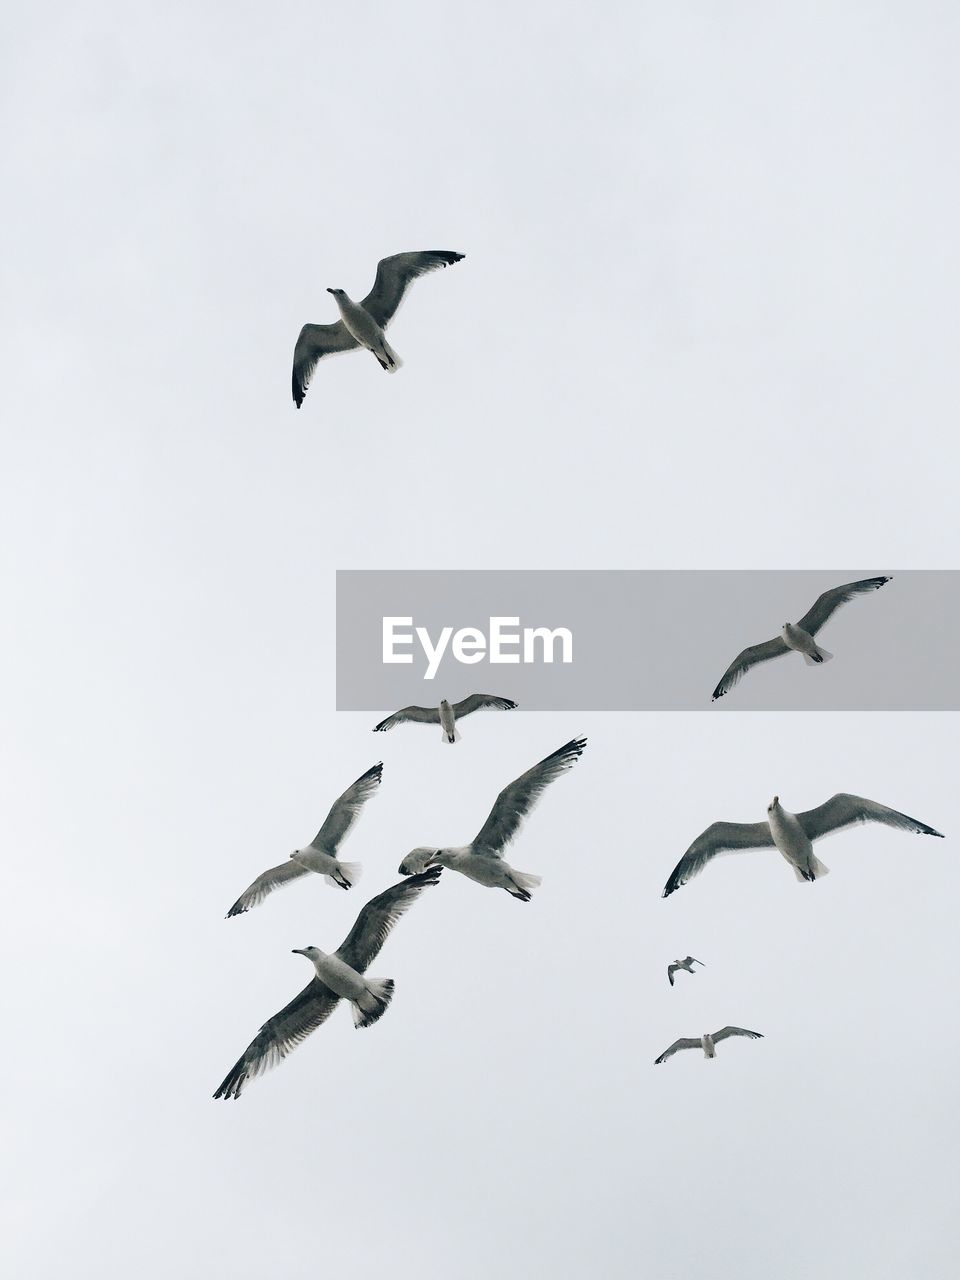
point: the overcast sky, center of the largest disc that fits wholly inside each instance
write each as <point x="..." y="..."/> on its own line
<point x="707" y="319"/>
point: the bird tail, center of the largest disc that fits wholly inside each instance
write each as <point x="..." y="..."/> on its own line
<point x="820" y="655"/>
<point x="816" y="872"/>
<point x="521" y="882"/>
<point x="345" y="875"/>
<point x="389" y="360"/>
<point x="373" y="1003"/>
<point x="451" y="737"/>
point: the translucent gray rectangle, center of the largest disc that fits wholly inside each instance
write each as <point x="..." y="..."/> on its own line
<point x="649" y="640"/>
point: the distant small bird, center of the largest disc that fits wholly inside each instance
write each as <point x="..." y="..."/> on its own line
<point x="686" y="965"/>
<point x="338" y="977"/>
<point x="706" y="1042"/>
<point x="799" y="636"/>
<point x="321" y="854"/>
<point x="363" y="324"/>
<point x="792" y="833"/>
<point x="482" y="859"/>
<point x="446" y="714"/>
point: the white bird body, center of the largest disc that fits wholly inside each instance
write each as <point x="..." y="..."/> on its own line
<point x="492" y="873"/>
<point x="338" y="976"/>
<point x="709" y="1048"/>
<point x="793" y="842"/>
<point x="328" y="865"/>
<point x="801" y="641"/>
<point x="686" y="964"/>
<point x="448" y="722"/>
<point x="362" y="327"/>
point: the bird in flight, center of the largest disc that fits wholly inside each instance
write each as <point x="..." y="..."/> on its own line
<point x="337" y="977"/>
<point x="705" y="1042"/>
<point x="797" y="636"/>
<point x="447" y="714"/>
<point x="320" y="855"/>
<point x="792" y="833"/>
<point x="362" y="324"/>
<point x="482" y="860"/>
<point x="685" y="964"/>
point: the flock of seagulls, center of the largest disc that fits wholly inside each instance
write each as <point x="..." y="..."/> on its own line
<point x="342" y="974"/>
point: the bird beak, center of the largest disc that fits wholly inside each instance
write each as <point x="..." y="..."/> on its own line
<point x="329" y="291"/>
<point x="297" y="952"/>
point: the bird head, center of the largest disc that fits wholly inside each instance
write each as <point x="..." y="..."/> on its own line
<point x="418" y="860"/>
<point x="337" y="293"/>
<point x="310" y="952"/>
<point x="774" y="804"/>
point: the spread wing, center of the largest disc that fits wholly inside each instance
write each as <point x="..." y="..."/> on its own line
<point x="682" y="1043"/>
<point x="396" y="274"/>
<point x="831" y="601"/>
<point x="346" y="810"/>
<point x="362" y="944"/>
<point x="315" y="342"/>
<point x="726" y="1032"/>
<point x="842" y="811"/>
<point x="274" y="878"/>
<point x="279" y="1036"/>
<point x="419" y="715"/>
<point x="478" y="701"/>
<point x="720" y="837"/>
<point x="749" y="658"/>
<point x="671" y="970"/>
<point x="515" y="801"/>
<point x="693" y="960"/>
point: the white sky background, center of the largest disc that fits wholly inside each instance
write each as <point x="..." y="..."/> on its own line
<point x="707" y="318"/>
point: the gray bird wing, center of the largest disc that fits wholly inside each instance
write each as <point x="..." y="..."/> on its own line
<point x="726" y="1032"/>
<point x="419" y="715"/>
<point x="274" y="878"/>
<point x="478" y="701"/>
<point x="362" y="944"/>
<point x="693" y="960"/>
<point x="279" y="1035"/>
<point x="671" y="970"/>
<point x="346" y="810"/>
<point x="831" y="601"/>
<point x="396" y="274"/>
<point x="719" y="837"/>
<point x="516" y="800"/>
<point x="842" y="811"/>
<point x="315" y="342"/>
<point x="683" y="1043"/>
<point x="749" y="658"/>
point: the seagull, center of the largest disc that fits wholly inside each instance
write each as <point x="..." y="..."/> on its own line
<point x="338" y="976"/>
<point x="705" y="1042"/>
<point x="482" y="859"/>
<point x="799" y="636"/>
<point x="321" y="854"/>
<point x="792" y="833"/>
<point x="686" y="965"/>
<point x="362" y="324"/>
<point x="446" y="714"/>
